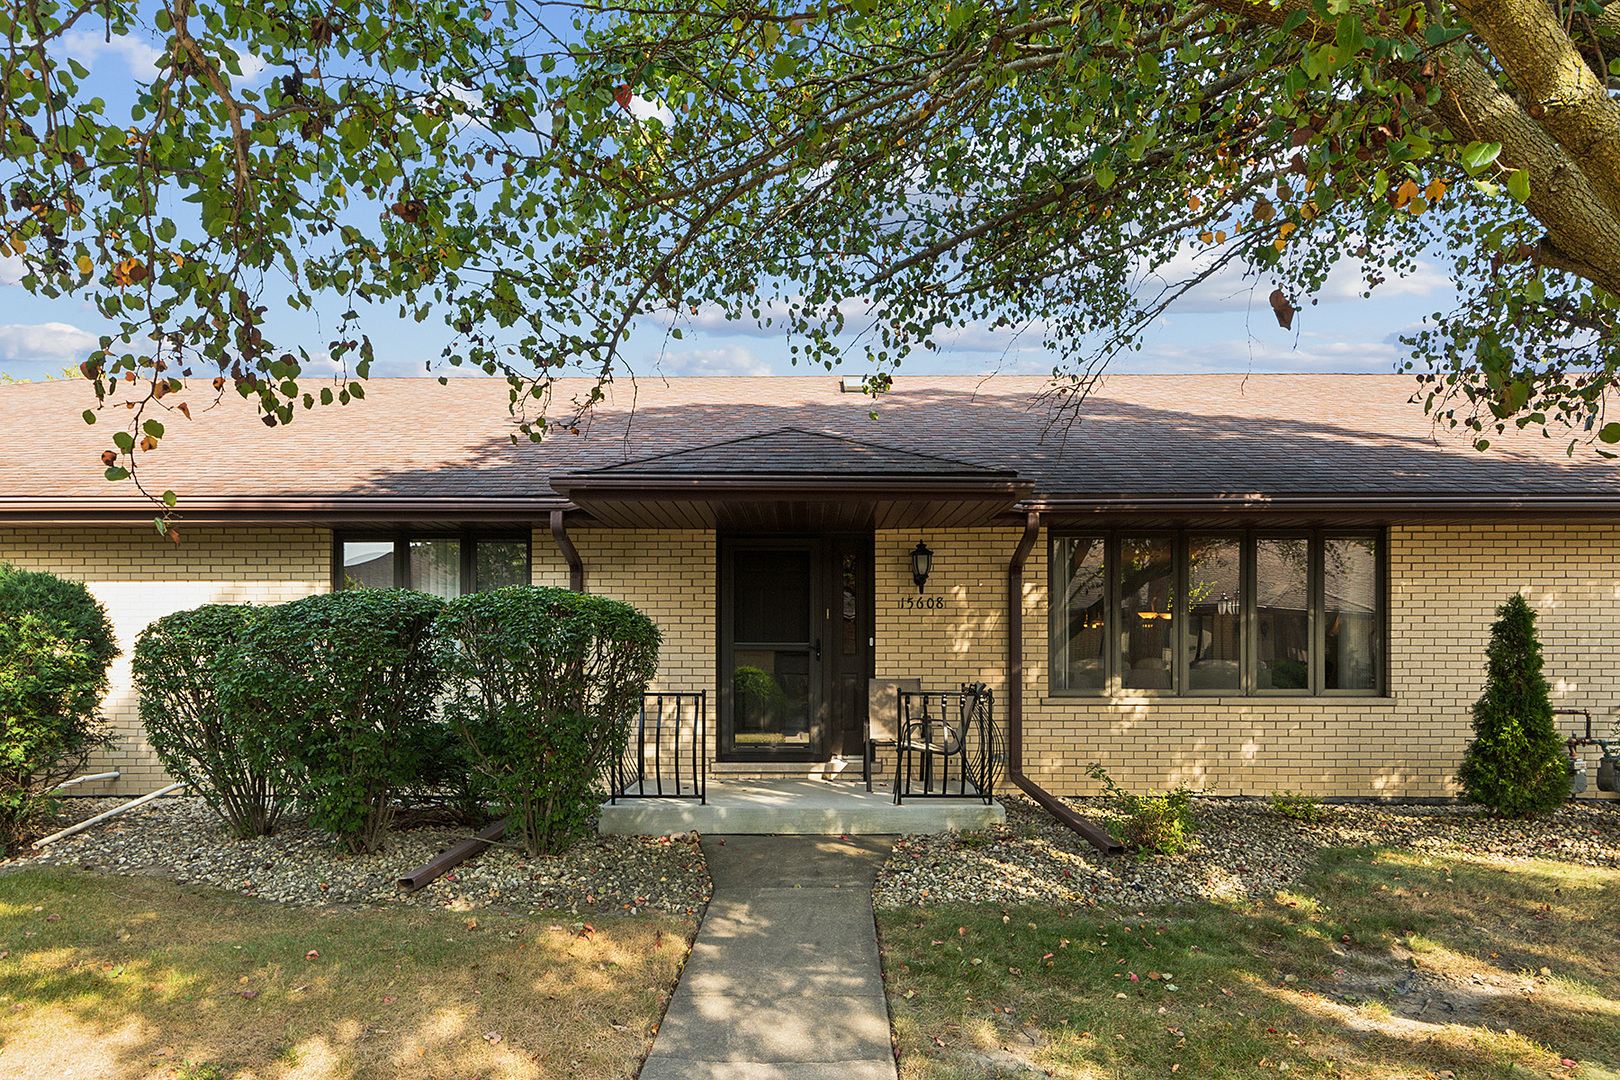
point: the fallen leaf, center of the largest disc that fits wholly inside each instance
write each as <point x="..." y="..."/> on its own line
<point x="389" y="999"/>
<point x="492" y="1036"/>
<point x="313" y="954"/>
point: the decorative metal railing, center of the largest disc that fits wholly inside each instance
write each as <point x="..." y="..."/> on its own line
<point x="950" y="744"/>
<point x="666" y="755"/>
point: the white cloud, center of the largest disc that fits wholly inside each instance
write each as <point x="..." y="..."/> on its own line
<point x="730" y="360"/>
<point x="1311" y="353"/>
<point x="53" y="341"/>
<point x="138" y="53"/>
<point x="11" y="270"/>
<point x="1231" y="290"/>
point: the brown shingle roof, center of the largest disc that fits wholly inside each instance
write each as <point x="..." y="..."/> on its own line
<point x="1150" y="441"/>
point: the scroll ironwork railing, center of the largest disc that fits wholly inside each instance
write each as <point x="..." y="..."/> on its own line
<point x="950" y="745"/>
<point x="666" y="754"/>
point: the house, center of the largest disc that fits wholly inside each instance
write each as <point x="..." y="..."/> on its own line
<point x="1249" y="583"/>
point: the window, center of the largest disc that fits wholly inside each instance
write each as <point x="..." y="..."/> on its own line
<point x="1269" y="613"/>
<point x="444" y="565"/>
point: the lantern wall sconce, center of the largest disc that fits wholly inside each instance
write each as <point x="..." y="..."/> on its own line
<point x="922" y="561"/>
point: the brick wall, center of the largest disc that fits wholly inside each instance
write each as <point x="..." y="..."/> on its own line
<point x="139" y="576"/>
<point x="670" y="576"/>
<point x="1445" y="584"/>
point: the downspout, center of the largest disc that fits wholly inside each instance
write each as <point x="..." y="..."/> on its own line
<point x="570" y="554"/>
<point x="1095" y="834"/>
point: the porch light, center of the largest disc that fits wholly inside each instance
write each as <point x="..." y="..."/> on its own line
<point x="922" y="561"/>
<point x="1228" y="605"/>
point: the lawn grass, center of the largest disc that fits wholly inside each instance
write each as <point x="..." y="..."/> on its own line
<point x="126" y="977"/>
<point x="1383" y="963"/>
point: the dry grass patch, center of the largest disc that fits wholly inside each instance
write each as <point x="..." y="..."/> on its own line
<point x="116" y="978"/>
<point x="1383" y="963"/>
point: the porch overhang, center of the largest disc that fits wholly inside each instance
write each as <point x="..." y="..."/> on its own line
<point x="790" y="503"/>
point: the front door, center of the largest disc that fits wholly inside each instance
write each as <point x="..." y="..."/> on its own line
<point x="795" y="646"/>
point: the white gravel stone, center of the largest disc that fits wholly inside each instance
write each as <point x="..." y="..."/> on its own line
<point x="1241" y="848"/>
<point x="182" y="838"/>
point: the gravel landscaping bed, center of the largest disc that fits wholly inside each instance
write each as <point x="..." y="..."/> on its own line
<point x="183" y="839"/>
<point x="1242" y="848"/>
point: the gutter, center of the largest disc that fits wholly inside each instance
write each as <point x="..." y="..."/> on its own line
<point x="1094" y="834"/>
<point x="570" y="554"/>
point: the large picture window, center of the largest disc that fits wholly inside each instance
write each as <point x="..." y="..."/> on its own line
<point x="1218" y="613"/>
<point x="444" y="565"/>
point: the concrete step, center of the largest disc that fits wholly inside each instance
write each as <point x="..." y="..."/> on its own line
<point x="794" y="807"/>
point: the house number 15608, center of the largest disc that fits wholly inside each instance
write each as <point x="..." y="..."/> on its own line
<point x="924" y="603"/>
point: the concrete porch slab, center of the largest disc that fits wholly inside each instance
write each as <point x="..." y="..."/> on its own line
<point x="794" y="807"/>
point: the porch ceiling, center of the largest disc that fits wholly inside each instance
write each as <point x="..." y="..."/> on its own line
<point x="792" y="504"/>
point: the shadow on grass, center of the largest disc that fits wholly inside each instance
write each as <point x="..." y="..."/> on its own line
<point x="134" y="977"/>
<point x="1380" y="964"/>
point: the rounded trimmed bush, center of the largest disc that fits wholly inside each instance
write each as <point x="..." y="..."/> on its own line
<point x="56" y="643"/>
<point x="230" y="755"/>
<point x="542" y="684"/>
<point x="349" y="682"/>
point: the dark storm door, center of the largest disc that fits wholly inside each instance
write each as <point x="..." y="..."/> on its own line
<point x="795" y="647"/>
<point x="771" y="642"/>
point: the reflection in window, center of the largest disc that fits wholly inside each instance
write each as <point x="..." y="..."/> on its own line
<point x="1350" y="614"/>
<point x="1078" y="657"/>
<point x="1147" y="607"/>
<point x="771" y="692"/>
<point x="1262" y="614"/>
<point x="499" y="563"/>
<point x="368" y="564"/>
<point x="1214" y="613"/>
<point x="1282" y="612"/>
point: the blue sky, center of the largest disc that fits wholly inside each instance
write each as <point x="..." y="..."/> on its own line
<point x="1224" y="325"/>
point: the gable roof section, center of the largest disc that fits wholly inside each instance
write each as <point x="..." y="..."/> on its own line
<point x="794" y="451"/>
<point x="791" y="480"/>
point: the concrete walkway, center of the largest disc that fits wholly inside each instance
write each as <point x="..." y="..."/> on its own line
<point x="783" y="982"/>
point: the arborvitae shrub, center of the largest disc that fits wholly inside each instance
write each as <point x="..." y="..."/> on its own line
<point x="349" y="682"/>
<point x="1517" y="765"/>
<point x="55" y="645"/>
<point x="230" y="753"/>
<point x="542" y="683"/>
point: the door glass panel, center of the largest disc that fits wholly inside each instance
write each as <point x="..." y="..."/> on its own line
<point x="1214" y="613"/>
<point x="1350" y="612"/>
<point x="1082" y="598"/>
<point x="1147" y="601"/>
<point x="851" y="605"/>
<point x="771" y="697"/>
<point x="436" y="567"/>
<point x="498" y="563"/>
<point x="1282" y="610"/>
<point x="771" y="596"/>
<point x="368" y="564"/>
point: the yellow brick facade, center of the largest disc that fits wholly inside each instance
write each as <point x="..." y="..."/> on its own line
<point x="1445" y="583"/>
<point x="139" y="576"/>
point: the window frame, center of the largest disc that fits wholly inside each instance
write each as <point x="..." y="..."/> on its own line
<point x="1249" y="616"/>
<point x="402" y="538"/>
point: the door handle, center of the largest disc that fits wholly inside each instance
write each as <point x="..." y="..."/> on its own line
<point x="818" y="650"/>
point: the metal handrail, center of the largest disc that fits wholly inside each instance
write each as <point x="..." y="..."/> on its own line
<point x="674" y="720"/>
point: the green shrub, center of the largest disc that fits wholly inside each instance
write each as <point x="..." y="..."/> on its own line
<point x="1517" y="765"/>
<point x="55" y="645"/>
<point x="348" y="682"/>
<point x="1156" y="823"/>
<point x="1296" y="806"/>
<point x="229" y="756"/>
<point x="543" y="683"/>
